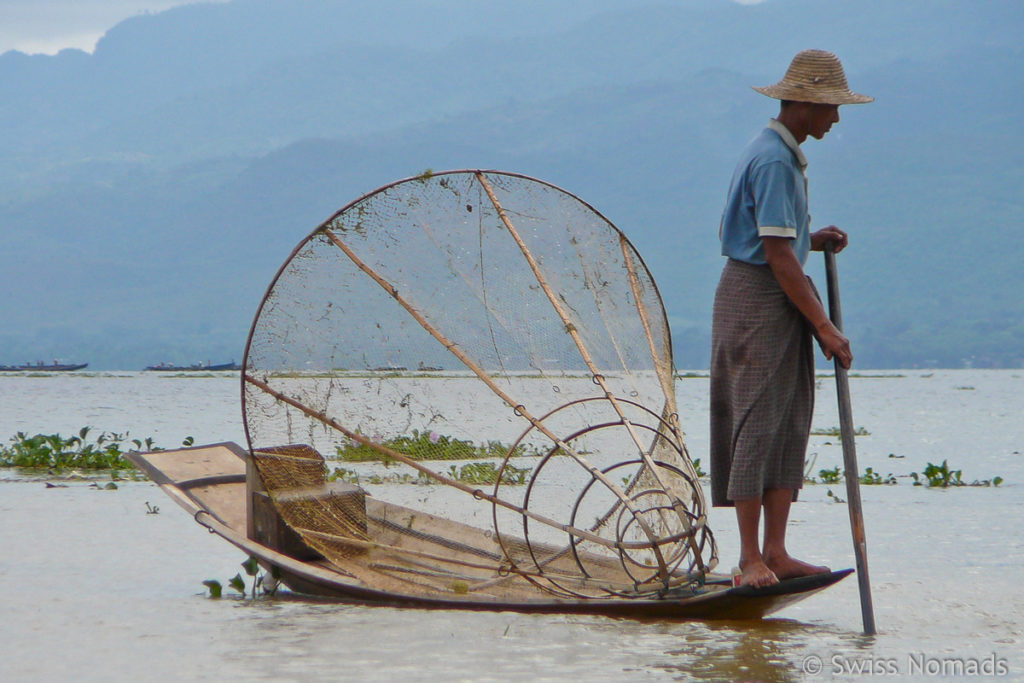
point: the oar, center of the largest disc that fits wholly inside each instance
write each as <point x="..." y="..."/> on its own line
<point x="852" y="476"/>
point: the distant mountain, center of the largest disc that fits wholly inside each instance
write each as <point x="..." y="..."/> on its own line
<point x="149" y="191"/>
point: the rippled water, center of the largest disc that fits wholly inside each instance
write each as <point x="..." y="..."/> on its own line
<point x="94" y="588"/>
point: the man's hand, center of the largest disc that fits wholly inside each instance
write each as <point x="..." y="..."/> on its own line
<point x="830" y="235"/>
<point x="834" y="343"/>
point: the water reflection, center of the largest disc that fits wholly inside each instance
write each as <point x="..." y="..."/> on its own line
<point x="739" y="652"/>
<point x="770" y="650"/>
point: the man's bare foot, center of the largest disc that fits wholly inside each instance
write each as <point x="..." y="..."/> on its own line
<point x="786" y="567"/>
<point x="756" y="573"/>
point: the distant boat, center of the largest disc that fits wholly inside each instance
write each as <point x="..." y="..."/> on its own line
<point x="389" y="368"/>
<point x="168" y="367"/>
<point x="40" y="365"/>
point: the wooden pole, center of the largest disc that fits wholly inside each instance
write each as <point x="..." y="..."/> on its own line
<point x="852" y="474"/>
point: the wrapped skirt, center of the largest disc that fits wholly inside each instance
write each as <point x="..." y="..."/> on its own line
<point x="762" y="386"/>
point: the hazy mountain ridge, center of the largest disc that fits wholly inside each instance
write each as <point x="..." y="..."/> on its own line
<point x="154" y="223"/>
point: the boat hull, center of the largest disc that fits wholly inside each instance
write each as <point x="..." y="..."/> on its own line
<point x="210" y="483"/>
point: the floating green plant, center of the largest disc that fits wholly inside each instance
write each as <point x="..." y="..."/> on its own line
<point x="470" y="473"/>
<point x="487" y="473"/>
<point x="54" y="452"/>
<point x="428" y="446"/>
<point x="696" y="466"/>
<point x="836" y="431"/>
<point x="374" y="478"/>
<point x="941" y="476"/>
<point x="872" y="478"/>
<point x="238" y="583"/>
<point x="344" y="474"/>
<point x="933" y="476"/>
<point x="830" y="476"/>
<point x="262" y="583"/>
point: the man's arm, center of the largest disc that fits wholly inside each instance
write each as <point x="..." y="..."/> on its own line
<point x="790" y="276"/>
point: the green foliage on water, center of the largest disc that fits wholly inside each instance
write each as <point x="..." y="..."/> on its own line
<point x="872" y="478"/>
<point x="933" y="476"/>
<point x="428" y="446"/>
<point x="52" y="451"/>
<point x="487" y="473"/>
<point x="258" y="584"/>
<point x="238" y="584"/>
<point x="830" y="476"/>
<point x="103" y="452"/>
<point x="471" y="473"/>
<point x="869" y="478"/>
<point x="696" y="466"/>
<point x="942" y="476"/>
<point x="836" y="431"/>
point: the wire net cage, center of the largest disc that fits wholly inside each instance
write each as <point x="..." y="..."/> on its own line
<point x="461" y="386"/>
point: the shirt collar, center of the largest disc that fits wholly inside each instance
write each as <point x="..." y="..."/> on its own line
<point x="790" y="141"/>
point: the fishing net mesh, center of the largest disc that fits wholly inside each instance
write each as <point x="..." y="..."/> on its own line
<point x="462" y="385"/>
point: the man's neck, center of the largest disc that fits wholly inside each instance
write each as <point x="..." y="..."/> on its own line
<point x="795" y="122"/>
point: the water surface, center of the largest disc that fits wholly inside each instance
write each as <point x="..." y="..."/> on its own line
<point x="96" y="588"/>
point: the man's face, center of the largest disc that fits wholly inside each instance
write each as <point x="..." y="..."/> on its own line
<point x="821" y="118"/>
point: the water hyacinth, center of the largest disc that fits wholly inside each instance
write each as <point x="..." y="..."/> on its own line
<point x="427" y="446"/>
<point x="54" y="452"/>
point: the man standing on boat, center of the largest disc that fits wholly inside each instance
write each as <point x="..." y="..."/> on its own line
<point x="766" y="310"/>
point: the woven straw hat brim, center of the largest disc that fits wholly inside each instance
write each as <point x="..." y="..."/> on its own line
<point x="815" y="76"/>
<point x="782" y="91"/>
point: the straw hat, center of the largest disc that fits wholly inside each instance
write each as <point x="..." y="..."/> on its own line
<point x="815" y="76"/>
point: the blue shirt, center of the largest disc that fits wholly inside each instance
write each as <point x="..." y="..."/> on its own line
<point x="767" y="198"/>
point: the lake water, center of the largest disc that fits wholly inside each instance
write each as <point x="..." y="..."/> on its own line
<point x="94" y="588"/>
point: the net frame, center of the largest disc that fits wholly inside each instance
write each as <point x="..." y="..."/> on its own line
<point x="662" y="467"/>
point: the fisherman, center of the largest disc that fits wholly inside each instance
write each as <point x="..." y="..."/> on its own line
<point x="765" y="312"/>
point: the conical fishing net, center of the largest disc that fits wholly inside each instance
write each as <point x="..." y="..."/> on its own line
<point x="461" y="386"/>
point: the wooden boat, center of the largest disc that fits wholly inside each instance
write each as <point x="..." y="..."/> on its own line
<point x="44" y="367"/>
<point x="220" y="487"/>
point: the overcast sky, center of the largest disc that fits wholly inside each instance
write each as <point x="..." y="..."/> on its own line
<point x="49" y="26"/>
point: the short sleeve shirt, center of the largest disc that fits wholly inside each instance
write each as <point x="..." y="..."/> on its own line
<point x="767" y="198"/>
